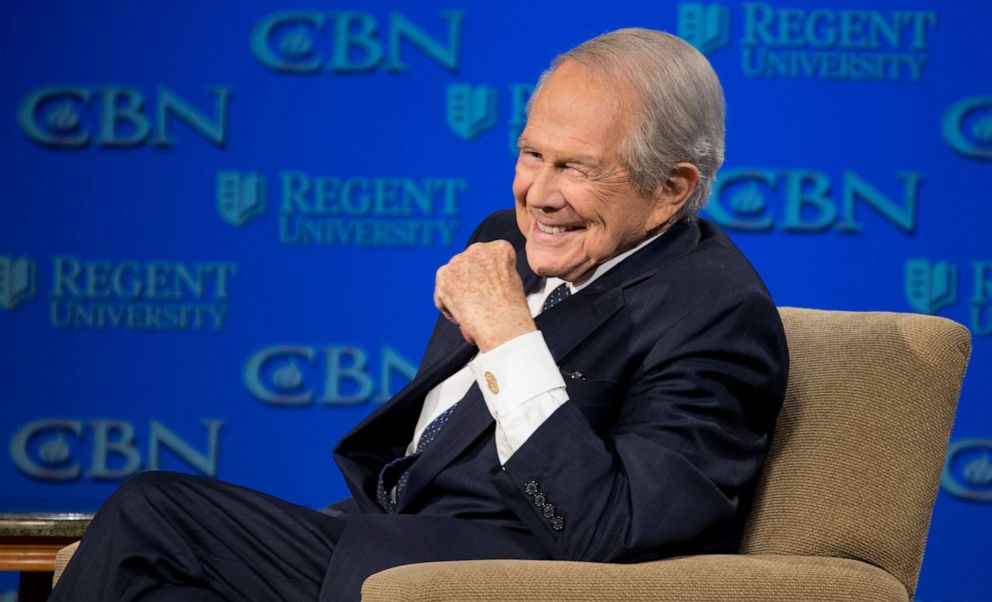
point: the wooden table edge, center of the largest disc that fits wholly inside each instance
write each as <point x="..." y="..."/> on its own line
<point x="31" y="554"/>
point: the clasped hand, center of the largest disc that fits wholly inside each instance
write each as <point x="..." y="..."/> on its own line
<point x="480" y="291"/>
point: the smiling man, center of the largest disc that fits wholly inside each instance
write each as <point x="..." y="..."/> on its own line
<point x="601" y="385"/>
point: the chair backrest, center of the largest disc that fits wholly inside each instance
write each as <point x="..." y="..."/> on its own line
<point x="858" y="450"/>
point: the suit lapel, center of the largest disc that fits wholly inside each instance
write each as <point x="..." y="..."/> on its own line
<point x="456" y="353"/>
<point x="468" y="422"/>
<point x="575" y="318"/>
<point x="384" y="434"/>
<point x="531" y="280"/>
<point x="680" y="240"/>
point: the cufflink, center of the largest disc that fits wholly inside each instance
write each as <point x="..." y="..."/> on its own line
<point x="491" y="383"/>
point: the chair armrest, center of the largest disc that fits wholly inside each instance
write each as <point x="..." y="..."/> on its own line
<point x="62" y="559"/>
<point x="701" y="578"/>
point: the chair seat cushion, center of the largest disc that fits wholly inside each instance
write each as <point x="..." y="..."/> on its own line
<point x="700" y="578"/>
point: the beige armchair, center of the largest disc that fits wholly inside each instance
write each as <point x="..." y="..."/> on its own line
<point x="844" y="503"/>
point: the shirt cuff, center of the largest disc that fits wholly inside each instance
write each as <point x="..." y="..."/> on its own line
<point x="522" y="387"/>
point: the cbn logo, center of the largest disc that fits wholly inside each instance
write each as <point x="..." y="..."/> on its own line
<point x="471" y="109"/>
<point x="705" y="26"/>
<point x="56" y="116"/>
<point x="930" y="285"/>
<point x="18" y="280"/>
<point x="297" y="375"/>
<point x="289" y="41"/>
<point x="967" y="127"/>
<point x="55" y="449"/>
<point x="240" y="196"/>
<point x="808" y="200"/>
<point x="968" y="470"/>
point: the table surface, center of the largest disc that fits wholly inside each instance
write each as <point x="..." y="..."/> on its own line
<point x="29" y="543"/>
<point x="44" y="524"/>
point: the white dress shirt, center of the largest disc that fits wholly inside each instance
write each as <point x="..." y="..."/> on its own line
<point x="529" y="386"/>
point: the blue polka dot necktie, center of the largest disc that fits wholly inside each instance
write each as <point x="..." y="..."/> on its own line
<point x="558" y="295"/>
<point x="397" y="472"/>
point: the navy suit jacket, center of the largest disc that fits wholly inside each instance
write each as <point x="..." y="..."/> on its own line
<point x="675" y="364"/>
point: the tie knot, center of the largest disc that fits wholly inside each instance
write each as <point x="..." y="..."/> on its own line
<point x="558" y="295"/>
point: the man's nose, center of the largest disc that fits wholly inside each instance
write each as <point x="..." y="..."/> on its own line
<point x="545" y="190"/>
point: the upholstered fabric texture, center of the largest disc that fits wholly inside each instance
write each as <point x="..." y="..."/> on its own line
<point x="859" y="446"/>
<point x="696" y="578"/>
<point x="62" y="559"/>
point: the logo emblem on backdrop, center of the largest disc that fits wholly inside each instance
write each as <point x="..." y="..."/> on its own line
<point x="64" y="119"/>
<point x="705" y="26"/>
<point x="118" y="117"/>
<point x="308" y="41"/>
<point x="760" y="199"/>
<point x="967" y="127"/>
<point x="968" y="470"/>
<point x="471" y="109"/>
<point x="930" y="285"/>
<point x="140" y="295"/>
<point x="41" y="449"/>
<point x="821" y="43"/>
<point x="359" y="211"/>
<point x="933" y="285"/>
<point x="297" y="43"/>
<point x="18" y="281"/>
<point x="240" y="196"/>
<point x="297" y="375"/>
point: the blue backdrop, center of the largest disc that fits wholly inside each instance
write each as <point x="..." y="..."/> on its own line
<point x="200" y="201"/>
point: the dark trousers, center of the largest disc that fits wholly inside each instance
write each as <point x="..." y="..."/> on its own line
<point x="165" y="536"/>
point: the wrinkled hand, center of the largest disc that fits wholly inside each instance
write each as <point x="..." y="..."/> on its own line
<point x="480" y="291"/>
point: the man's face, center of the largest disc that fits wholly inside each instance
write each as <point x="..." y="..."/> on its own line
<point x="574" y="201"/>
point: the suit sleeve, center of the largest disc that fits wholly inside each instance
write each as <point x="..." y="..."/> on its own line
<point x="692" y="429"/>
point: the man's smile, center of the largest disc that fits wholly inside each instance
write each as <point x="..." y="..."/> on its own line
<point x="554" y="230"/>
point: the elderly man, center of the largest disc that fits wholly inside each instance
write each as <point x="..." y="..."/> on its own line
<point x="601" y="385"/>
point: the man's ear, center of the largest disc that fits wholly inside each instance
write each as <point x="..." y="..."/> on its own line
<point x="671" y="195"/>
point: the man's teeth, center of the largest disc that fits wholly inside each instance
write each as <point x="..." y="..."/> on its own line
<point x="551" y="229"/>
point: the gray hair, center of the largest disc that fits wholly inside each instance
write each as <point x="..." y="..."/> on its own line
<point x="681" y="106"/>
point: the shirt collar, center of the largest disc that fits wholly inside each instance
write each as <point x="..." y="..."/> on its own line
<point x="552" y="283"/>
